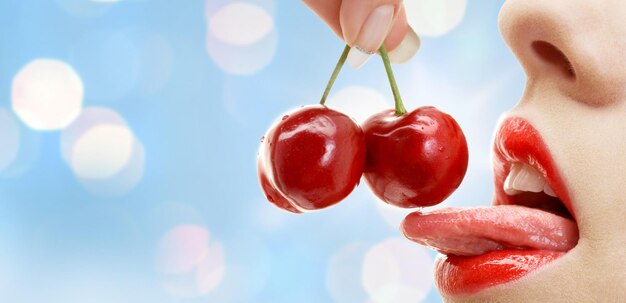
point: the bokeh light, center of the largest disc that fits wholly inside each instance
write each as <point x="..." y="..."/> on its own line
<point x="47" y="94"/>
<point x="9" y="138"/>
<point x="358" y="102"/>
<point x="89" y="118"/>
<point x="344" y="268"/>
<point x="247" y="269"/>
<point x="28" y="155"/>
<point x="190" y="264"/>
<point x="241" y="23"/>
<point x="241" y="37"/>
<point x="105" y="156"/>
<point x="102" y="151"/>
<point x="434" y="18"/>
<point x="397" y="271"/>
<point x="122" y="182"/>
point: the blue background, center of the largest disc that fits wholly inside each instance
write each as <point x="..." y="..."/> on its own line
<point x="200" y="127"/>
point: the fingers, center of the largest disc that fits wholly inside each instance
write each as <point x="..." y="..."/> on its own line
<point x="364" y="25"/>
<point x="402" y="41"/>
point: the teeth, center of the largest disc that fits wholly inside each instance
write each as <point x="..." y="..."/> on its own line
<point x="524" y="178"/>
<point x="549" y="191"/>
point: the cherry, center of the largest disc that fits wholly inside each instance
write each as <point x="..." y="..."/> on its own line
<point x="311" y="158"/>
<point x="414" y="159"/>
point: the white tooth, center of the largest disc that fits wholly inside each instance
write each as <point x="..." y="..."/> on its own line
<point x="528" y="179"/>
<point x="523" y="178"/>
<point x="508" y="182"/>
<point x="548" y="190"/>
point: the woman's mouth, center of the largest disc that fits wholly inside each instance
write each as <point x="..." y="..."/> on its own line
<point x="530" y="222"/>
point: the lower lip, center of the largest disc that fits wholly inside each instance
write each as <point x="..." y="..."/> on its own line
<point x="456" y="275"/>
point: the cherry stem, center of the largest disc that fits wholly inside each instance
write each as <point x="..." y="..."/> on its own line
<point x="338" y="67"/>
<point x="400" y="110"/>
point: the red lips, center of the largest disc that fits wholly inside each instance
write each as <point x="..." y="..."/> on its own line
<point x="488" y="246"/>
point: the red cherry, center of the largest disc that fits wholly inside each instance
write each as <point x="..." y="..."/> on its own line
<point x="414" y="160"/>
<point x="310" y="159"/>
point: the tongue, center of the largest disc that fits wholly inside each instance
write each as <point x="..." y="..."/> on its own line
<point x="478" y="230"/>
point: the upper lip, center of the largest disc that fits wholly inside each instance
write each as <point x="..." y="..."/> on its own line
<point x="517" y="141"/>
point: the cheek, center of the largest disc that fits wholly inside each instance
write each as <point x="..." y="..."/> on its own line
<point x="589" y="146"/>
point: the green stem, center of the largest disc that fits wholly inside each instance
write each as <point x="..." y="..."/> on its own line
<point x="338" y="67"/>
<point x="400" y="110"/>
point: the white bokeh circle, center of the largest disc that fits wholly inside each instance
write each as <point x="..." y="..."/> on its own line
<point x="241" y="37"/>
<point x="358" y="102"/>
<point x="9" y="139"/>
<point x="397" y="271"/>
<point x="90" y="117"/>
<point x="434" y="18"/>
<point x="102" y="151"/>
<point x="189" y="264"/>
<point x="241" y="23"/>
<point x="124" y="181"/>
<point x="47" y="94"/>
<point x="344" y="269"/>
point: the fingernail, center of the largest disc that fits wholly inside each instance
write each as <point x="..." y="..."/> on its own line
<point x="407" y="48"/>
<point x="371" y="36"/>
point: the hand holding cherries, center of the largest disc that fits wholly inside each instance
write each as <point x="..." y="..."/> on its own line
<point x="314" y="157"/>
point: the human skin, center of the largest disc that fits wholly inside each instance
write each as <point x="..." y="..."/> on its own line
<point x="580" y="112"/>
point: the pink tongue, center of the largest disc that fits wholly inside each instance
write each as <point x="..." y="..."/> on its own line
<point x="477" y="230"/>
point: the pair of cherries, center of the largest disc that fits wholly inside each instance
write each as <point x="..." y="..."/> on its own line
<point x="314" y="156"/>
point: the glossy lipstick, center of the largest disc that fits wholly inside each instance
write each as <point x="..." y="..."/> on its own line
<point x="488" y="246"/>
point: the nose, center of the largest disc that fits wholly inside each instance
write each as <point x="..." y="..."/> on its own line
<point x="568" y="45"/>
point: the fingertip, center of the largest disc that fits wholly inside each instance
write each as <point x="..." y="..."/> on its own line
<point x="407" y="48"/>
<point x="398" y="30"/>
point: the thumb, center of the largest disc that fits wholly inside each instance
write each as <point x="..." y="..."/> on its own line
<point x="366" y="24"/>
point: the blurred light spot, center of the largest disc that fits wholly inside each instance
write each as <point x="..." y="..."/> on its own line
<point x="244" y="48"/>
<point x="157" y="61"/>
<point x="83" y="8"/>
<point x="124" y="181"/>
<point x="190" y="265"/>
<point x="102" y="151"/>
<point x="358" y="102"/>
<point x="109" y="63"/>
<point x="397" y="271"/>
<point x="434" y="18"/>
<point x="27" y="156"/>
<point x="47" y="94"/>
<point x="90" y="117"/>
<point x="344" y="268"/>
<point x="248" y="264"/>
<point x="9" y="138"/>
<point x="241" y="24"/>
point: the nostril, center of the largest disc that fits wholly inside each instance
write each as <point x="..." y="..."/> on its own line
<point x="552" y="55"/>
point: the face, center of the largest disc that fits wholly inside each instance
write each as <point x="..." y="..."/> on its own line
<point x="574" y="55"/>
